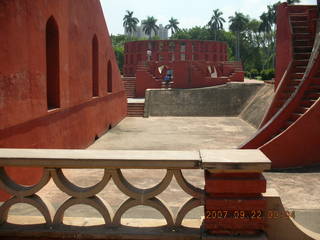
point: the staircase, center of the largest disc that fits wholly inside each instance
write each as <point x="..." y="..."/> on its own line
<point x="135" y="107"/>
<point x="300" y="86"/>
<point x="303" y="41"/>
<point x="310" y="96"/>
<point x="129" y="86"/>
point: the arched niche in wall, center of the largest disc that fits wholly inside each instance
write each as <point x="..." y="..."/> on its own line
<point x="95" y="66"/>
<point x="53" y="64"/>
<point x="109" y="75"/>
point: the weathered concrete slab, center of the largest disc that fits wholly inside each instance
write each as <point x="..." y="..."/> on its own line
<point x="225" y="100"/>
<point x="257" y="107"/>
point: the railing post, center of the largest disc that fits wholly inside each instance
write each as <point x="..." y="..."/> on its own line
<point x="234" y="184"/>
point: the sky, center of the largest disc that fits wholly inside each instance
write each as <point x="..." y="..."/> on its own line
<point x="189" y="13"/>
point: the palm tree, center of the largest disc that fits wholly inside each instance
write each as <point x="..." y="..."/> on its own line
<point x="253" y="33"/>
<point x="173" y="25"/>
<point x="216" y="22"/>
<point x="130" y="22"/>
<point x="238" y="24"/>
<point x="272" y="12"/>
<point x="149" y="25"/>
<point x="266" y="24"/>
<point x="293" y="1"/>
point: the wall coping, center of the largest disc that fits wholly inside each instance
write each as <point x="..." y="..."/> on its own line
<point x="235" y="159"/>
<point x="207" y="159"/>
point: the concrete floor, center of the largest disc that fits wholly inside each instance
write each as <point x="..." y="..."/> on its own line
<point x="176" y="133"/>
<point x="298" y="191"/>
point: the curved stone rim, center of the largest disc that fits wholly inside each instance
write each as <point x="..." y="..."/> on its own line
<point x="186" y="208"/>
<point x="154" y="203"/>
<point x="137" y="193"/>
<point x="95" y="202"/>
<point x="18" y="190"/>
<point x="37" y="202"/>
<point x="188" y="188"/>
<point x="63" y="183"/>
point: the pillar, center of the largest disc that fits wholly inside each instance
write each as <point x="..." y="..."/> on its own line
<point x="234" y="184"/>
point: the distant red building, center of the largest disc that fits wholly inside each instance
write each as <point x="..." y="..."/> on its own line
<point x="194" y="63"/>
<point x="60" y="86"/>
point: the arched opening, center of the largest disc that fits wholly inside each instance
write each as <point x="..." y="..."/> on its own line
<point x="95" y="67"/>
<point x="52" y="61"/>
<point x="109" y="77"/>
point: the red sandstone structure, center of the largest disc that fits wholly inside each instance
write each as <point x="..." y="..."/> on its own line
<point x="194" y="63"/>
<point x="62" y="95"/>
<point x="60" y="86"/>
<point x="289" y="133"/>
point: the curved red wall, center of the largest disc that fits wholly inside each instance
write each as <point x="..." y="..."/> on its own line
<point x="172" y="50"/>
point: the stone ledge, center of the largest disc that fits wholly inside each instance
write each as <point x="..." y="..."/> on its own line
<point x="234" y="160"/>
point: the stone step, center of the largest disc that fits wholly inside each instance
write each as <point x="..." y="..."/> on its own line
<point x="301" y="109"/>
<point x="307" y="103"/>
<point x="294" y="82"/>
<point x="299" y="23"/>
<point x="298" y="17"/>
<point x="288" y="124"/>
<point x="294" y="116"/>
<point x="302" y="49"/>
<point x="302" y="42"/>
<point x="312" y="95"/>
<point x="303" y="36"/>
<point x="297" y="75"/>
<point x="300" y="56"/>
<point x="300" y="29"/>
<point x="135" y="109"/>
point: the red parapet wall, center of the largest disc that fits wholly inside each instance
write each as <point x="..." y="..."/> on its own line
<point x="186" y="74"/>
<point x="60" y="85"/>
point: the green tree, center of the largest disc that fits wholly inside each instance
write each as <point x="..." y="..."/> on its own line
<point x="272" y="12"/>
<point x="194" y="33"/>
<point x="130" y="23"/>
<point x="118" y="42"/>
<point x="238" y="24"/>
<point x="173" y="26"/>
<point x="149" y="25"/>
<point x="182" y="34"/>
<point x="293" y="1"/>
<point x="216" y="22"/>
<point x="253" y="35"/>
<point x="266" y="23"/>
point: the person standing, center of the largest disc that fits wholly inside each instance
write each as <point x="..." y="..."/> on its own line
<point x="149" y="54"/>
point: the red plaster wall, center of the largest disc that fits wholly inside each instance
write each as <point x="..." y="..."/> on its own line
<point x="25" y="121"/>
<point x="284" y="51"/>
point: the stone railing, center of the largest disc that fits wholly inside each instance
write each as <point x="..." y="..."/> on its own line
<point x="233" y="182"/>
<point x="112" y="162"/>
